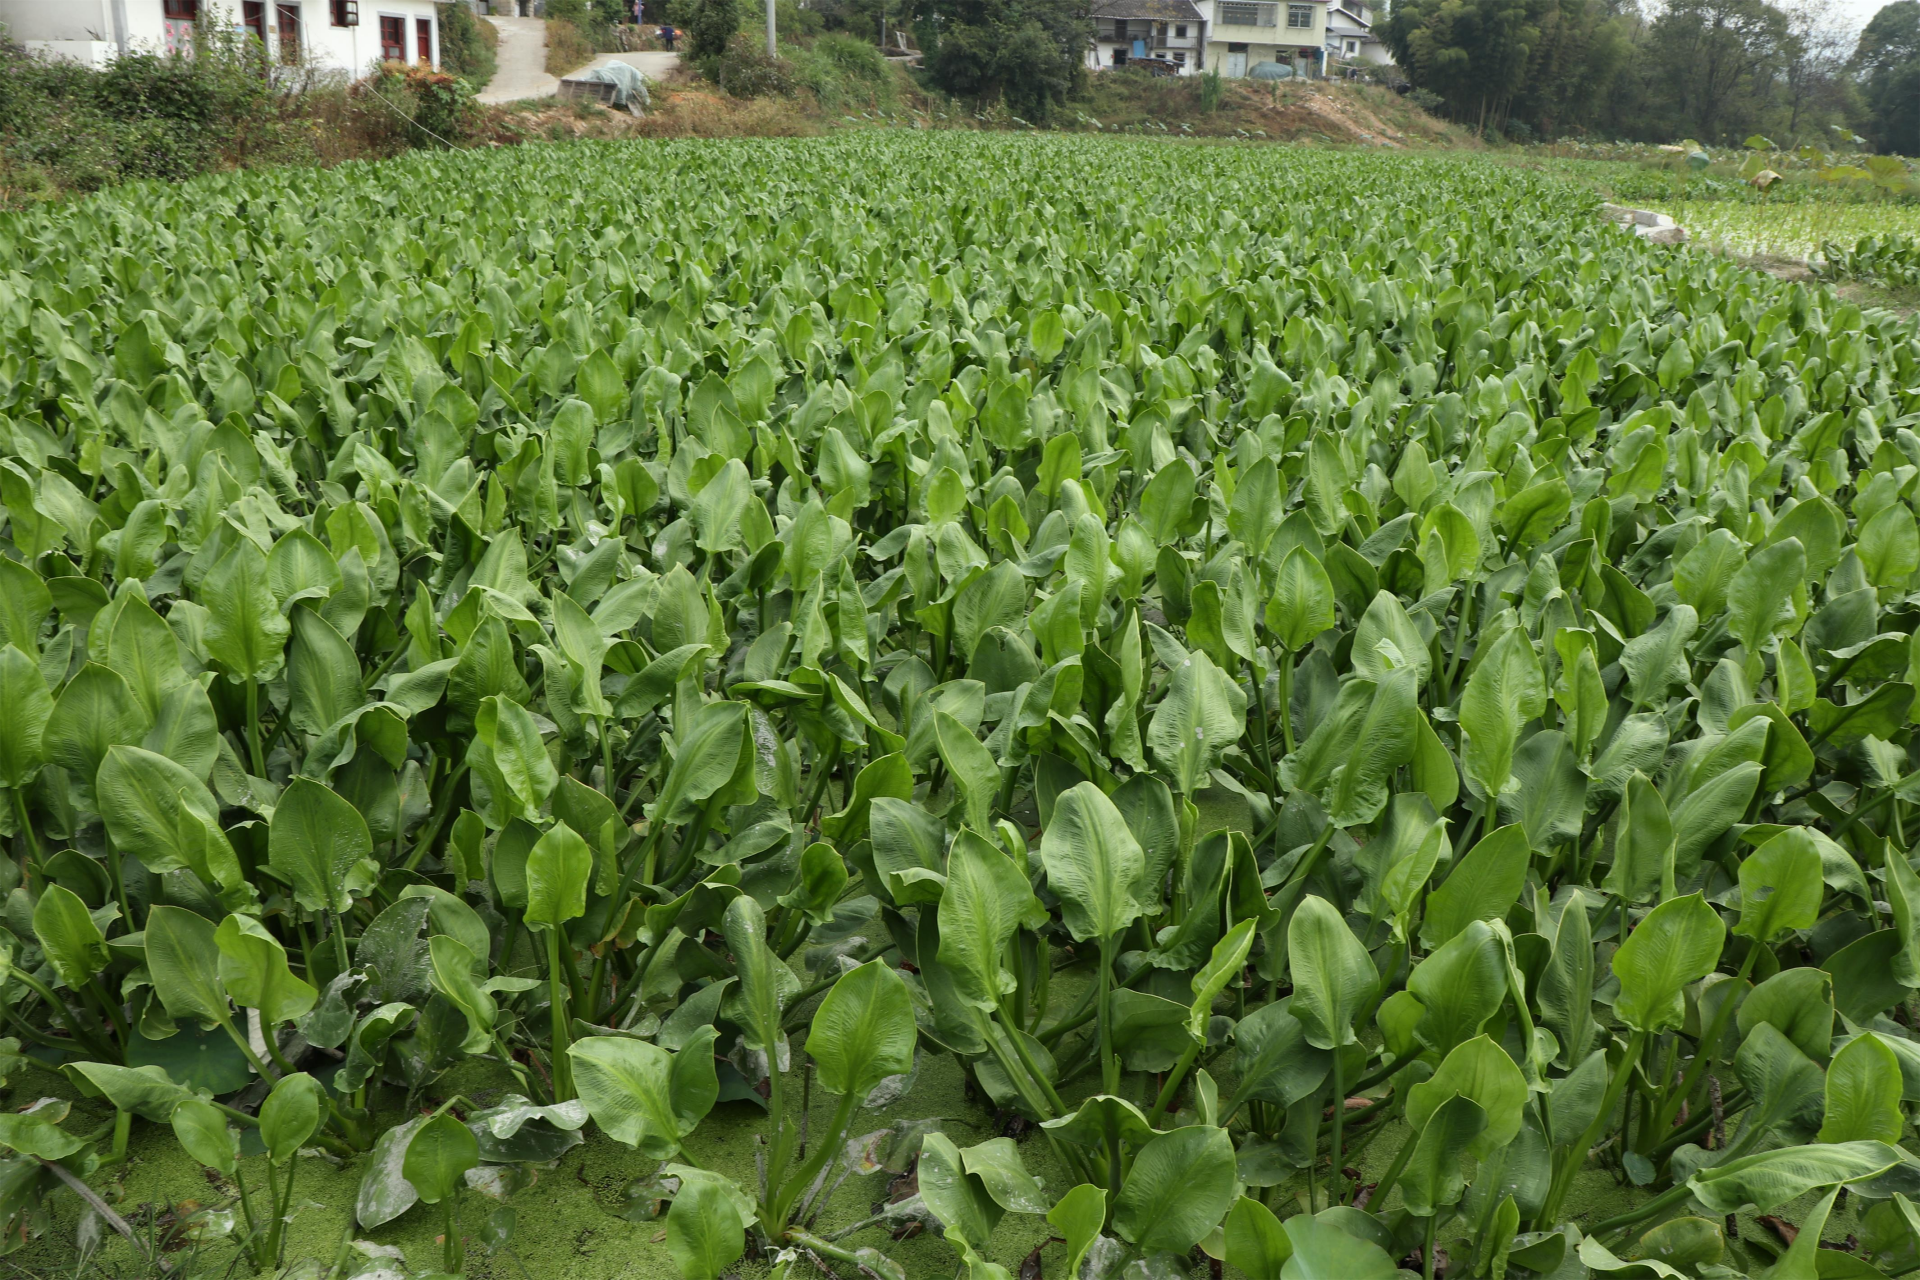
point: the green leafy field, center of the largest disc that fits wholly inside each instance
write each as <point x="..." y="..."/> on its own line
<point x="631" y="710"/>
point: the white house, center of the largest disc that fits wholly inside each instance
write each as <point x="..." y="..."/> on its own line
<point x="1168" y="35"/>
<point x="1351" y="38"/>
<point x="1241" y="34"/>
<point x="347" y="36"/>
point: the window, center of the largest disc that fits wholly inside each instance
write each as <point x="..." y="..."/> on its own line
<point x="182" y="10"/>
<point x="393" y="39"/>
<point x="346" y="13"/>
<point x="1180" y="31"/>
<point x="287" y="19"/>
<point x="1180" y="55"/>
<point x="1246" y="13"/>
<point x="1300" y="16"/>
<point x="423" y="40"/>
<point x="1353" y="47"/>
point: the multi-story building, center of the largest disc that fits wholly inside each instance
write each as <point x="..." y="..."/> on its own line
<point x="1351" y="39"/>
<point x="1228" y="36"/>
<point x="1241" y="34"/>
<point x="347" y="36"/>
<point x="1165" y="34"/>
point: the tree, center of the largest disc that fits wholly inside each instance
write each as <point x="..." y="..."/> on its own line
<point x="711" y="26"/>
<point x="1574" y="63"/>
<point x="1812" y="89"/>
<point x="1715" y="64"/>
<point x="1030" y="53"/>
<point x="1473" y="53"/>
<point x="1888" y="61"/>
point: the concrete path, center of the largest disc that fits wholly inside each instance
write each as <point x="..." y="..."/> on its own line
<point x="654" y="66"/>
<point x="522" y="58"/>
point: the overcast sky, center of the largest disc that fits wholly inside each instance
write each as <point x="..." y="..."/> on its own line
<point x="1854" y="14"/>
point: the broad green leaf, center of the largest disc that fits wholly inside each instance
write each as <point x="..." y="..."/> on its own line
<point x="1180" y="1186"/>
<point x="1505" y="691"/>
<point x="183" y="959"/>
<point x="959" y="1199"/>
<point x="863" y="1032"/>
<point x="1760" y="596"/>
<point x="1863" y="1093"/>
<point x="318" y="843"/>
<point x="1482" y="886"/>
<point x="1780" y="886"/>
<point x="68" y="935"/>
<point x="1301" y="606"/>
<point x="25" y="707"/>
<point x="1201" y="716"/>
<point x="1677" y="943"/>
<point x="1387" y="739"/>
<point x="1078" y="1217"/>
<point x="706" y="758"/>
<point x="253" y="968"/>
<point x="1434" y="1179"/>
<point x="1771" y="1178"/>
<point x="705" y="1232"/>
<point x="246" y="630"/>
<point x="985" y="901"/>
<point x="202" y="1130"/>
<point x="972" y="767"/>
<point x="996" y="1163"/>
<point x="1255" y="1242"/>
<point x="290" y="1115"/>
<point x="1322" y="1251"/>
<point x="1482" y="1071"/>
<point x="558" y="869"/>
<point x="95" y="712"/>
<point x="766" y="983"/>
<point x="642" y="1095"/>
<point x="1093" y="863"/>
<point x="1643" y="844"/>
<point x="438" y="1157"/>
<point x="156" y="810"/>
<point x="1333" y="976"/>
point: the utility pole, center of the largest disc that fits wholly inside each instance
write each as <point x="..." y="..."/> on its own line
<point x="773" y="50"/>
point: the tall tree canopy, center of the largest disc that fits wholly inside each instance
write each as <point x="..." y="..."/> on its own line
<point x="1888" y="61"/>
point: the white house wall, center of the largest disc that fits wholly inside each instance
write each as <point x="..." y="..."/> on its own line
<point x="93" y="31"/>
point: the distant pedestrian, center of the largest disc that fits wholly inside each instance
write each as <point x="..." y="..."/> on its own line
<point x="667" y="34"/>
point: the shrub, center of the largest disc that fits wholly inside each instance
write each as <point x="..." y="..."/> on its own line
<point x="467" y="44"/>
<point x="68" y="127"/>
<point x="745" y="70"/>
<point x="567" y="48"/>
<point x="843" y="71"/>
<point x="592" y="19"/>
<point x="1427" y="100"/>
<point x="1212" y="90"/>
<point x="710" y="26"/>
<point x="439" y="107"/>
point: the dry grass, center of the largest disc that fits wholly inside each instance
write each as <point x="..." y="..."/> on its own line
<point x="567" y="49"/>
<point x="677" y="113"/>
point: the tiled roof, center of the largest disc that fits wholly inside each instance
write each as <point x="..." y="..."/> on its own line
<point x="1150" y="10"/>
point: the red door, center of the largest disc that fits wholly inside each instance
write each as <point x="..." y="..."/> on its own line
<point x="393" y="39"/>
<point x="253" y="15"/>
<point x="423" y="40"/>
<point x="288" y="16"/>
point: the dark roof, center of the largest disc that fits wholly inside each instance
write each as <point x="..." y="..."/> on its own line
<point x="1151" y="10"/>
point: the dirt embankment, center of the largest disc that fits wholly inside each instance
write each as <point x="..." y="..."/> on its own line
<point x="1306" y="112"/>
